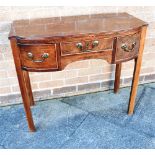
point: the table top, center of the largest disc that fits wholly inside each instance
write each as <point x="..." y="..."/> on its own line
<point x="74" y="25"/>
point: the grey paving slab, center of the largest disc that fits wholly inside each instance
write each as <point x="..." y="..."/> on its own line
<point x="144" y="117"/>
<point x="112" y="107"/>
<point x="55" y="121"/>
<point x="96" y="133"/>
<point x="97" y="120"/>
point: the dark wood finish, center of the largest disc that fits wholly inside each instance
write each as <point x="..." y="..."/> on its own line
<point x="128" y="40"/>
<point x="69" y="48"/>
<point x="38" y="50"/>
<point x="138" y="62"/>
<point x="22" y="79"/>
<point x="75" y="26"/>
<point x="29" y="89"/>
<point x="117" y="77"/>
<point x="106" y="55"/>
<point x="50" y="44"/>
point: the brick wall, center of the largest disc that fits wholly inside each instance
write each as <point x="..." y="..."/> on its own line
<point x="78" y="77"/>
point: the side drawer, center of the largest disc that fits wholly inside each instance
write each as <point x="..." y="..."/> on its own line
<point x="82" y="46"/>
<point x="38" y="56"/>
<point x="127" y="47"/>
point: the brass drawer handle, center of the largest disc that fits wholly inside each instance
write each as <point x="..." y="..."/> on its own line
<point x="128" y="49"/>
<point x="95" y="43"/>
<point x="31" y="56"/>
<point x="79" y="46"/>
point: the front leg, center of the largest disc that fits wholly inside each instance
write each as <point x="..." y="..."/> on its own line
<point x="22" y="77"/>
<point x="134" y="86"/>
<point x="138" y="62"/>
<point x="23" y="80"/>
<point x="29" y="89"/>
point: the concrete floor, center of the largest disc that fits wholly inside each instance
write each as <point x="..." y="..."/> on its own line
<point x="97" y="120"/>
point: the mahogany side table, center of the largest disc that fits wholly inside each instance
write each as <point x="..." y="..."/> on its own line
<point x="49" y="44"/>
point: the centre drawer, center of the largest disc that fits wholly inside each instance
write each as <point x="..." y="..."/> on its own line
<point x="83" y="45"/>
<point x="38" y="56"/>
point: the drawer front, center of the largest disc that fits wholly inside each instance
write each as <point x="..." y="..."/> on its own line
<point x="83" y="46"/>
<point x="127" y="47"/>
<point x="38" y="56"/>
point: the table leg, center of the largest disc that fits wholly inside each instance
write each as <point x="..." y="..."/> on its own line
<point x="29" y="89"/>
<point x="22" y="77"/>
<point x="117" y="77"/>
<point x="138" y="62"/>
<point x="134" y="87"/>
